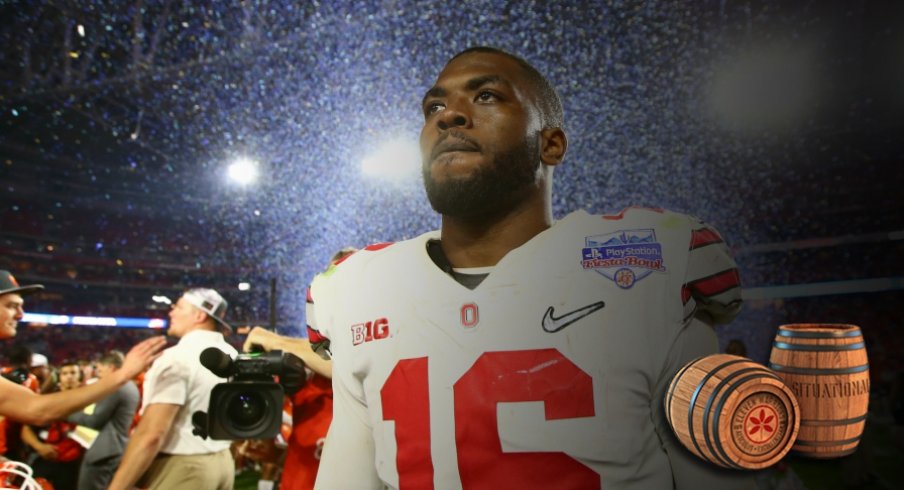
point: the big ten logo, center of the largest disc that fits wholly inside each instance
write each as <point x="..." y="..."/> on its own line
<point x="365" y="332"/>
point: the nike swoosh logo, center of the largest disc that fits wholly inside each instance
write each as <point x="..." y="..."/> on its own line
<point x="552" y="323"/>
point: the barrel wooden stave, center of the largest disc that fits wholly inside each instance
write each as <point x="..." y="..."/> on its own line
<point x="826" y="367"/>
<point x="707" y="399"/>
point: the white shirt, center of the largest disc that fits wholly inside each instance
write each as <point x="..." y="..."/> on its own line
<point x="549" y="374"/>
<point x="178" y="378"/>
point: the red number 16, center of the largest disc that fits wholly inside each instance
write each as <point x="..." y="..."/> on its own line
<point x="509" y="376"/>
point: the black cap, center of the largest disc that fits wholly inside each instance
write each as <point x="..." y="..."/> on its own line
<point x="8" y="284"/>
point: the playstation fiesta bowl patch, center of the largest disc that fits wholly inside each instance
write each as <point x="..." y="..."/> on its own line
<point x="625" y="256"/>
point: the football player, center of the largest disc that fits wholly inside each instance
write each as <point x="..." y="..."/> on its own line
<point x="508" y="349"/>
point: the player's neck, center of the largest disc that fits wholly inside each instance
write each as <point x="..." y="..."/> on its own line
<point x="484" y="242"/>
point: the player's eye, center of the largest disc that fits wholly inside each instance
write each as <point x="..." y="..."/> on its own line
<point x="486" y="96"/>
<point x="433" y="108"/>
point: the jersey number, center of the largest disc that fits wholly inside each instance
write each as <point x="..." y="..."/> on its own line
<point x="510" y="376"/>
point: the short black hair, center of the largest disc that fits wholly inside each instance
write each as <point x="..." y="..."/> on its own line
<point x="551" y="112"/>
<point x="70" y="362"/>
<point x="19" y="355"/>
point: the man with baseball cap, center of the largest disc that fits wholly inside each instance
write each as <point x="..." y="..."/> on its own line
<point x="23" y="405"/>
<point x="12" y="294"/>
<point x="163" y="453"/>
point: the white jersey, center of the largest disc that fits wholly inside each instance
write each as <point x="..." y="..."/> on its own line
<point x="549" y="374"/>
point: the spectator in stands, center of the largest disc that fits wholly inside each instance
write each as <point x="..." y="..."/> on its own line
<point x="54" y="455"/>
<point x="20" y="404"/>
<point x="163" y="453"/>
<point x="112" y="416"/>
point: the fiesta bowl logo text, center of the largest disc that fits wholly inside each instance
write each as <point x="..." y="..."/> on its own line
<point x="625" y="256"/>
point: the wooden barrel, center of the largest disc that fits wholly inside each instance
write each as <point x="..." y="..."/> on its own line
<point x="732" y="412"/>
<point x="825" y="365"/>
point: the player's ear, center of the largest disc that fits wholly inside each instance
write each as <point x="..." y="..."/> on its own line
<point x="553" y="144"/>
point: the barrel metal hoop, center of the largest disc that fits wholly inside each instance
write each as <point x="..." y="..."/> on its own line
<point x="827" y="443"/>
<point x="817" y="348"/>
<point x="818" y="335"/>
<point x="831" y="422"/>
<point x="693" y="402"/>
<point x="818" y="371"/>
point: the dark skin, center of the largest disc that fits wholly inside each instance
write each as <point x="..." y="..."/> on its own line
<point x="480" y="106"/>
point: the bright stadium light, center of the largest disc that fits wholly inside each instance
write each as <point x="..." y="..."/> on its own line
<point x="394" y="160"/>
<point x="244" y="286"/>
<point x="161" y="299"/>
<point x="243" y="171"/>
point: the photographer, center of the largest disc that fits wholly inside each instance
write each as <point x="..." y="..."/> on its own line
<point x="163" y="453"/>
<point x="312" y="405"/>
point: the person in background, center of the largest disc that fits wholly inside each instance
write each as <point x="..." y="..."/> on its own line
<point x="55" y="455"/>
<point x="70" y="376"/>
<point x="312" y="405"/>
<point x="163" y="453"/>
<point x="17" y="371"/>
<point x="112" y="416"/>
<point x="20" y="404"/>
<point x="40" y="367"/>
<point x="89" y="369"/>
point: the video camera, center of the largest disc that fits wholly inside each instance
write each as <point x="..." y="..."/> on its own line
<point x="249" y="405"/>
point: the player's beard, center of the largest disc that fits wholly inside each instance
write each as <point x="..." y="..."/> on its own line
<point x="492" y="189"/>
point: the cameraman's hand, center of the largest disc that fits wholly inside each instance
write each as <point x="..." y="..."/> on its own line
<point x="265" y="338"/>
<point x="298" y="346"/>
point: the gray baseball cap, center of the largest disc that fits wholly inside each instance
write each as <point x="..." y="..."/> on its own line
<point x="209" y="301"/>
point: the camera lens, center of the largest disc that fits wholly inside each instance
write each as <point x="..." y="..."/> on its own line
<point x="245" y="410"/>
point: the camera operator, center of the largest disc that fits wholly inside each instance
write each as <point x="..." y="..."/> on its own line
<point x="268" y="341"/>
<point x="163" y="453"/>
<point x="312" y="405"/>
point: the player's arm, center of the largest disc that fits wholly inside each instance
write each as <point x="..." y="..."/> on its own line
<point x="712" y="287"/>
<point x="711" y="295"/>
<point x="348" y="453"/>
<point x="21" y="404"/>
<point x="300" y="347"/>
<point x="688" y="471"/>
<point x="144" y="444"/>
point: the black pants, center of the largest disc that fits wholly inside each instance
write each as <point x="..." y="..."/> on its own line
<point x="61" y="475"/>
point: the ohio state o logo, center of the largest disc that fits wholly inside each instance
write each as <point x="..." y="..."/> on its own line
<point x="469" y="315"/>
